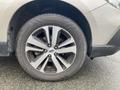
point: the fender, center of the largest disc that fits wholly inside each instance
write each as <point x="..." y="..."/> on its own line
<point x="9" y="8"/>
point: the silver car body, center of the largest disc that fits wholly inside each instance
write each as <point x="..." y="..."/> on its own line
<point x="104" y="19"/>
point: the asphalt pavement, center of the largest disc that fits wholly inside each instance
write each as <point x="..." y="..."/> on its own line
<point x="99" y="74"/>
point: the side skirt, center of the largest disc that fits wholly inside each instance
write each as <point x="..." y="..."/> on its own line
<point x="111" y="48"/>
<point x="104" y="51"/>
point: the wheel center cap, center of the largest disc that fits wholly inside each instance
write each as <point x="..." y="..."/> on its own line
<point x="51" y="50"/>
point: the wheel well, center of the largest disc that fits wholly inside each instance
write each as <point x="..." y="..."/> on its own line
<point x="38" y="7"/>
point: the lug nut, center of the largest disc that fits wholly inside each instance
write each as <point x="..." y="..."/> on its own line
<point x="55" y="53"/>
<point x="49" y="55"/>
<point x="56" y="47"/>
<point x="49" y="45"/>
<point x="45" y="50"/>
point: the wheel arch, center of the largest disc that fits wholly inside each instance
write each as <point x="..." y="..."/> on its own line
<point x="34" y="8"/>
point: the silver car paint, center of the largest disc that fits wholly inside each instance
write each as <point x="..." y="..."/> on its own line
<point x="103" y="18"/>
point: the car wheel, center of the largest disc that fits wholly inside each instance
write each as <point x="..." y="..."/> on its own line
<point x="51" y="47"/>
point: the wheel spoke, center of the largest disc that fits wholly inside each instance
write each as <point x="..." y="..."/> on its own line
<point x="47" y="33"/>
<point x="67" y="50"/>
<point x="44" y="65"/>
<point x="28" y="48"/>
<point x="39" y="60"/>
<point x="49" y="50"/>
<point x="66" y="64"/>
<point x="34" y="41"/>
<point x="57" y="64"/>
<point x="67" y="42"/>
<point x="55" y="32"/>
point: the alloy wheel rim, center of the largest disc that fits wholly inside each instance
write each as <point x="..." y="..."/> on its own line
<point x="51" y="49"/>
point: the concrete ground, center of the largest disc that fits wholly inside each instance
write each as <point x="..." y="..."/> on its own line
<point x="100" y="74"/>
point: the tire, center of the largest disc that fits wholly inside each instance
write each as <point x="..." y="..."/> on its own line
<point x="57" y="20"/>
